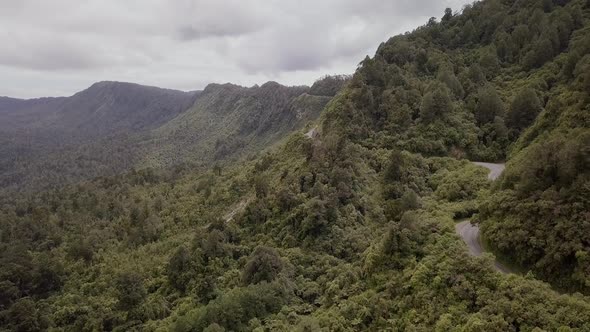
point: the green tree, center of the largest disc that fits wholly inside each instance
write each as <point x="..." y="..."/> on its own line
<point x="81" y="249"/>
<point x="435" y="105"/>
<point x="521" y="35"/>
<point x="180" y="269"/>
<point x="394" y="168"/>
<point x="570" y="65"/>
<point x="505" y="47"/>
<point x="476" y="75"/>
<point x="130" y="290"/>
<point x="448" y="15"/>
<point x="489" y="105"/>
<point x="410" y="201"/>
<point x="524" y="109"/>
<point x="48" y="275"/>
<point x="541" y="52"/>
<point x="450" y="80"/>
<point x="469" y="33"/>
<point x="217" y="169"/>
<point x="489" y="63"/>
<point x="23" y="316"/>
<point x="261" y="186"/>
<point x="264" y="264"/>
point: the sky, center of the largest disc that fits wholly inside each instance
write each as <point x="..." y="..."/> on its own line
<point x="59" y="47"/>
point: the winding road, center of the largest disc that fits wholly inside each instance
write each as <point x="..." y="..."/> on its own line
<point x="469" y="232"/>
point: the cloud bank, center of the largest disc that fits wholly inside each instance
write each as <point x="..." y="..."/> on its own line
<point x="61" y="46"/>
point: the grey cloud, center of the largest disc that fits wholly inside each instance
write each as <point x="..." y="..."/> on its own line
<point x="46" y="53"/>
<point x="51" y="59"/>
<point x="192" y="32"/>
<point x="170" y="41"/>
<point x="351" y="30"/>
<point x="209" y="19"/>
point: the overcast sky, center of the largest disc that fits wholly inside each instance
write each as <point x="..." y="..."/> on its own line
<point x="58" y="47"/>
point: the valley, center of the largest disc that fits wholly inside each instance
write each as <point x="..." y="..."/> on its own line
<point x="352" y="204"/>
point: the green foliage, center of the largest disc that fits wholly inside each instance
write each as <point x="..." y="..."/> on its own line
<point x="435" y="105"/>
<point x="130" y="290"/>
<point x="489" y="63"/>
<point x="452" y="83"/>
<point x="235" y="309"/>
<point x="263" y="265"/>
<point x="460" y="184"/>
<point x="541" y="52"/>
<point x="537" y="217"/>
<point x="180" y="269"/>
<point x="489" y="105"/>
<point x="328" y="85"/>
<point x="23" y="316"/>
<point x="524" y="109"/>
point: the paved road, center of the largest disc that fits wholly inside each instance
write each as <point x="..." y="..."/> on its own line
<point x="470" y="233"/>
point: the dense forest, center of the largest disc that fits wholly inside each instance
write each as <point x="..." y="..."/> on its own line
<point x="352" y="228"/>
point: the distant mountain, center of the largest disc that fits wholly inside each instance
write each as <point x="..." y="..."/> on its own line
<point x="229" y="120"/>
<point x="105" y="108"/>
<point x="19" y="114"/>
<point x="111" y="107"/>
<point x="113" y="126"/>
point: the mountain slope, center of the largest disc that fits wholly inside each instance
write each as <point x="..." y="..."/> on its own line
<point x="112" y="127"/>
<point x="49" y="141"/>
<point x="105" y="108"/>
<point x="228" y="121"/>
<point x="538" y="214"/>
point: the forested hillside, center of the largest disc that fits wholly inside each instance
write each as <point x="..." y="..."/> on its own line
<point x="51" y="141"/>
<point x="105" y="108"/>
<point x="539" y="214"/>
<point x="350" y="229"/>
<point x="229" y="121"/>
<point x="113" y="127"/>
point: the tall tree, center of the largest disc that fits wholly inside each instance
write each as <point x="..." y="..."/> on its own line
<point x="524" y="109"/>
<point x="489" y="105"/>
<point x="435" y="105"/>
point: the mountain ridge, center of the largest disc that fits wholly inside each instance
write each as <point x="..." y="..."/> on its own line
<point x="117" y="126"/>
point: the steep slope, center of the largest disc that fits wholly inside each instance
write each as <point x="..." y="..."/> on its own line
<point x="538" y="215"/>
<point x="49" y="141"/>
<point x="108" y="108"/>
<point x="105" y="108"/>
<point x="229" y="121"/>
<point x="112" y="127"/>
<point x="502" y="80"/>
